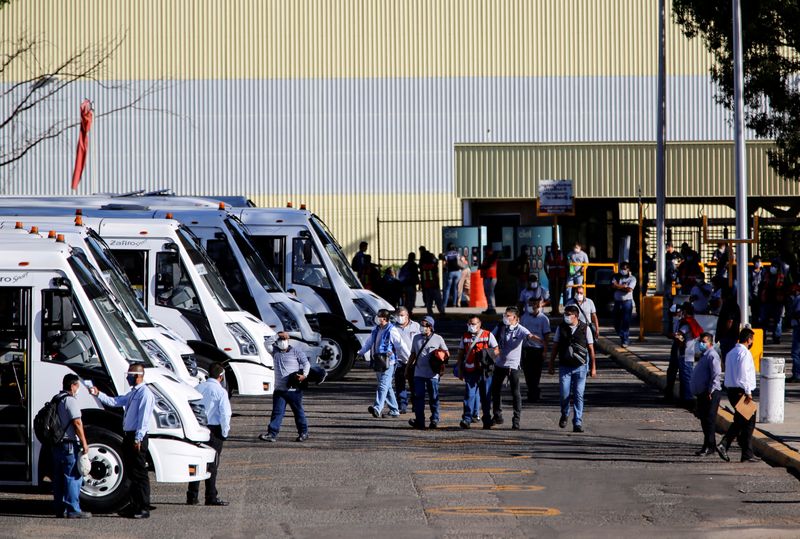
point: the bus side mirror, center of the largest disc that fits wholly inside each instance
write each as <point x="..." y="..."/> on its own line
<point x="59" y="313"/>
<point x="170" y="246"/>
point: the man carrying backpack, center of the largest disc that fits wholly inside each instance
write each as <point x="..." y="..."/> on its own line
<point x="574" y="346"/>
<point x="67" y="479"/>
<point x="477" y="381"/>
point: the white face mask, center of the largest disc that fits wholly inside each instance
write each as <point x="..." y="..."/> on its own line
<point x="282" y="344"/>
<point x="506" y="321"/>
<point x="402" y="320"/>
<point x="531" y="310"/>
<point x="773" y="270"/>
<point x="473" y="328"/>
<point x="624" y="273"/>
<point x="377" y="320"/>
<point x="569" y="319"/>
<point x="579" y="297"/>
<point x="427" y="330"/>
<point x="535" y="285"/>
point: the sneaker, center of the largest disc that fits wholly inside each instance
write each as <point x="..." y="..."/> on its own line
<point x="433" y="424"/>
<point x="562" y="422"/>
<point x="394" y="414"/>
<point x="577" y="428"/>
<point x="403" y="411"/>
<point x="475" y="419"/>
<point x="464" y="424"/>
<point x="374" y="411"/>
<point x="302" y="438"/>
<point x="82" y="514"/>
<point x="267" y="437"/>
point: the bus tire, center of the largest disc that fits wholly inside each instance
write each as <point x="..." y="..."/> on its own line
<point x="107" y="489"/>
<point x="336" y="358"/>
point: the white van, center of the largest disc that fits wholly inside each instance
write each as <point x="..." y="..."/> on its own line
<point x="57" y="317"/>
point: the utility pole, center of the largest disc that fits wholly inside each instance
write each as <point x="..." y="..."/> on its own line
<point x="740" y="172"/>
<point x="661" y="135"/>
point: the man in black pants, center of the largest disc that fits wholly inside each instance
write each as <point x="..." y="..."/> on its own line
<point x="138" y="404"/>
<point x="218" y="412"/>
<point x="740" y="379"/>
<point x="707" y="388"/>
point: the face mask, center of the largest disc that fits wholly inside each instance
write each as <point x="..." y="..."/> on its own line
<point x="402" y="320"/>
<point x="773" y="270"/>
<point x="701" y="347"/>
<point x="472" y="328"/>
<point x="535" y="285"/>
<point x="531" y="310"/>
<point x="131" y="379"/>
<point x="624" y="273"/>
<point x="579" y="297"/>
<point x="282" y="344"/>
<point x="569" y="319"/>
<point x="377" y="320"/>
<point x="757" y="264"/>
<point x="506" y="321"/>
<point x="512" y="326"/>
<point x="427" y="330"/>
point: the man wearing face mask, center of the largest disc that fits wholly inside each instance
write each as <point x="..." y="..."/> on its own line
<point x="510" y="336"/>
<point x="623" y="284"/>
<point x="757" y="282"/>
<point x="67" y="479"/>
<point x="573" y="343"/>
<point x="534" y="350"/>
<point x="408" y="329"/>
<point x="575" y="259"/>
<point x="426" y="379"/>
<point x="138" y="405"/>
<point x="289" y="363"/>
<point x="386" y="341"/>
<point x="587" y="312"/>
<point x="706" y="385"/>
<point x="532" y="291"/>
<point x="477" y="382"/>
<point x="740" y="381"/>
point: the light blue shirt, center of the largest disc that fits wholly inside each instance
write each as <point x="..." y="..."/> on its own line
<point x="286" y="363"/>
<point x="538" y="325"/>
<point x="138" y="404"/>
<point x="217" y="405"/>
<point x="510" y="341"/>
<point x="401" y="347"/>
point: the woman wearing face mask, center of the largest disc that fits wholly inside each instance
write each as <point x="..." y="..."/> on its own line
<point x="623" y="284"/>
<point x="289" y="361"/>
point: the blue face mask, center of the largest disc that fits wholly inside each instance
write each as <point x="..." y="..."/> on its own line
<point x="701" y="347"/>
<point x="131" y="378"/>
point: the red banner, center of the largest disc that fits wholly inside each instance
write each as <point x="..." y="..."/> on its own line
<point x="87" y="115"/>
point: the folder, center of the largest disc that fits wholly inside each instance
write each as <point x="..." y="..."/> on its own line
<point x="746" y="410"/>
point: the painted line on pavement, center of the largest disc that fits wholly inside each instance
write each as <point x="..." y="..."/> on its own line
<point x="470" y="457"/>
<point x="481" y="511"/>
<point x="495" y="471"/>
<point x="484" y="488"/>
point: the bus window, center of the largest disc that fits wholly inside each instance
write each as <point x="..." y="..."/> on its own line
<point x="15" y="319"/>
<point x="173" y="287"/>
<point x="221" y="253"/>
<point x="134" y="264"/>
<point x="272" y="250"/>
<point x="307" y="268"/>
<point x="74" y="346"/>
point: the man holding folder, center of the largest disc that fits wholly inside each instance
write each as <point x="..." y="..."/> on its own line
<point x="740" y="380"/>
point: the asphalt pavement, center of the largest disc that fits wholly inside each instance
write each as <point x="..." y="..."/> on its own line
<point x="633" y="471"/>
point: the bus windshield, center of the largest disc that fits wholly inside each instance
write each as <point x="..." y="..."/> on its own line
<point x="260" y="270"/>
<point x="112" y="318"/>
<point x="335" y="253"/>
<point x="117" y="280"/>
<point x="207" y="270"/>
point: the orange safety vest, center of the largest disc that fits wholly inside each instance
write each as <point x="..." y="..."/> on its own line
<point x="473" y="351"/>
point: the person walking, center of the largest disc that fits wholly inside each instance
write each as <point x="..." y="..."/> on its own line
<point x="477" y="378"/>
<point x="426" y="351"/>
<point x="623" y="285"/>
<point x="291" y="368"/>
<point x="67" y="478"/>
<point x="575" y="258"/>
<point x="757" y="291"/>
<point x="740" y="381"/>
<point x="138" y="405"/>
<point x="587" y="312"/>
<point x="534" y="350"/>
<point x="385" y="345"/>
<point x="556" y="274"/>
<point x="429" y="281"/>
<point x="573" y="344"/>
<point x="707" y="389"/>
<point x="360" y="261"/>
<point x="488" y="270"/>
<point x="409" y="280"/>
<point x="510" y="336"/>
<point x="408" y="329"/>
<point x="464" y="281"/>
<point x="521" y="268"/>
<point x="532" y="291"/>
<point x="217" y="408"/>
<point x="793" y="312"/>
<point x="452" y="276"/>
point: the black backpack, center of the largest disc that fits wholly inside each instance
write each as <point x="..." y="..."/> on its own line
<point x="47" y="424"/>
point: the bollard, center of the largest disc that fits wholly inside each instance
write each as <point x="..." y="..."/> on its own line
<point x="773" y="386"/>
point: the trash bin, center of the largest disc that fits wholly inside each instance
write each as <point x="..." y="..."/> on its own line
<point x="773" y="387"/>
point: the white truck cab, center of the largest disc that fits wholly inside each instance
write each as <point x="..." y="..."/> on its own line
<point x="57" y="317"/>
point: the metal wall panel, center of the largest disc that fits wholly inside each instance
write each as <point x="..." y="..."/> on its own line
<point x="618" y="170"/>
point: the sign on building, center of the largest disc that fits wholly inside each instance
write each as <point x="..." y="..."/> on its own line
<point x="556" y="197"/>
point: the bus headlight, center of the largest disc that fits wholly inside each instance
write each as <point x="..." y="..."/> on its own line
<point x="366" y="311"/>
<point x="158" y="355"/>
<point x="288" y="321"/>
<point x="247" y="346"/>
<point x="165" y="413"/>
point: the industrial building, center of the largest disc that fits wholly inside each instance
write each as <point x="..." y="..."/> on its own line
<point x="389" y="119"/>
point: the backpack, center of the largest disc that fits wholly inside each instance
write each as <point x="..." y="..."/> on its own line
<point x="47" y="424"/>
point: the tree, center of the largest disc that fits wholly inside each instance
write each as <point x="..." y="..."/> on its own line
<point x="771" y="58"/>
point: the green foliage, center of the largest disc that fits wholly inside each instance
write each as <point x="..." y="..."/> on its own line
<point x="771" y="56"/>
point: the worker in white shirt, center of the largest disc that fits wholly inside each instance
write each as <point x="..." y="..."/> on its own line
<point x="740" y="381"/>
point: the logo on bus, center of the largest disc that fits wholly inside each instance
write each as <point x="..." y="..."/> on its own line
<point x="11" y="279"/>
<point x="126" y="243"/>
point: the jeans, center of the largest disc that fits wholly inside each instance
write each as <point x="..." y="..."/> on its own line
<point x="385" y="392"/>
<point x="488" y="290"/>
<point x="294" y="399"/>
<point x="451" y="287"/>
<point x="796" y="351"/>
<point x="136" y="462"/>
<point x="532" y="362"/>
<point x="622" y="319"/>
<point x="573" y="280"/>
<point x="777" y="311"/>
<point x="707" y="413"/>
<point x="67" y="480"/>
<point x="401" y="386"/>
<point x="572" y="382"/>
<point x="215" y="441"/>
<point x="476" y="396"/>
<point x="421" y="385"/>
<point x="499" y="376"/>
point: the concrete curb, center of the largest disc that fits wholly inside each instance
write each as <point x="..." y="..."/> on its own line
<point x="770" y="450"/>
